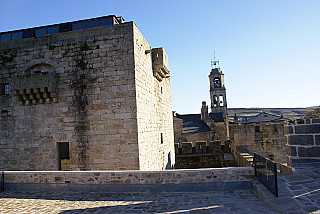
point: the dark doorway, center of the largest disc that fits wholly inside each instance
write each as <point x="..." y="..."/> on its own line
<point x="63" y="156"/>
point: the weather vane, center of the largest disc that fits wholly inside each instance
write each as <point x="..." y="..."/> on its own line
<point x="214" y="61"/>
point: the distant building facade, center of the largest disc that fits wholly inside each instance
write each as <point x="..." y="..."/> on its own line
<point x="85" y="95"/>
<point x="262" y="133"/>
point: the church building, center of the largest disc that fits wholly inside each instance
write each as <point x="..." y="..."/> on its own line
<point x="207" y="126"/>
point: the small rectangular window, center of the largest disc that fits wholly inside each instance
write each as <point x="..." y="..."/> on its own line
<point x="108" y="21"/>
<point x="65" y="27"/>
<point x="78" y="26"/>
<point x="28" y="34"/>
<point x="17" y="35"/>
<point x="53" y="30"/>
<point x="41" y="32"/>
<point x="161" y="138"/>
<point x="91" y="24"/>
<point x="4" y="88"/>
<point x="5" y="37"/>
<point x="257" y="128"/>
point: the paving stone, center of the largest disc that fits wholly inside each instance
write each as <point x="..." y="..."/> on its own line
<point x="311" y="208"/>
<point x="45" y="202"/>
<point x="296" y="212"/>
<point x="297" y="178"/>
<point x="295" y="187"/>
<point x="294" y="198"/>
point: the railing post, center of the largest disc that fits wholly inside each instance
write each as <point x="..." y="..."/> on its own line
<point x="254" y="165"/>
<point x="276" y="179"/>
<point x="2" y="182"/>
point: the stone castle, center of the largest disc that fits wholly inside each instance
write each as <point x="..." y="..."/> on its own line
<point x="93" y="95"/>
<point x="84" y="95"/>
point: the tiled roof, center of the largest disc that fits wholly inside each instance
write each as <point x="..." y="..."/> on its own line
<point x="263" y="117"/>
<point x="189" y="117"/>
<point x="192" y="123"/>
<point x="194" y="127"/>
<point x="217" y="117"/>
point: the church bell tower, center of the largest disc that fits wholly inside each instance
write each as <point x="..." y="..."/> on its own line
<point x="218" y="93"/>
<point x="217" y="90"/>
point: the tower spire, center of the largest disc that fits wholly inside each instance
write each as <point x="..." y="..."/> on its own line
<point x="214" y="61"/>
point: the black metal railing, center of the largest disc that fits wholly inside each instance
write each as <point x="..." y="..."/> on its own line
<point x="266" y="171"/>
<point x="2" y="182"/>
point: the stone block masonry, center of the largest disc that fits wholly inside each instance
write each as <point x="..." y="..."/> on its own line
<point x="302" y="141"/>
<point x="131" y="180"/>
<point x="198" y="155"/>
<point x="102" y="100"/>
<point x="265" y="138"/>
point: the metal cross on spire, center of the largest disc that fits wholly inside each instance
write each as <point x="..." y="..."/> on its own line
<point x="214" y="61"/>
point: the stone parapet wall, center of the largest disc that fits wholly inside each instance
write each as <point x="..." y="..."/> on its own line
<point x="194" y="155"/>
<point x="303" y="141"/>
<point x="199" y="161"/>
<point x="200" y="147"/>
<point x="246" y="160"/>
<point x="131" y="177"/>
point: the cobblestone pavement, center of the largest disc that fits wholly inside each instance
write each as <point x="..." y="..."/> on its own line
<point x="210" y="202"/>
<point x="299" y="193"/>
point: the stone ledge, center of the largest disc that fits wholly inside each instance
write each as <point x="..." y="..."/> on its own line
<point x="131" y="177"/>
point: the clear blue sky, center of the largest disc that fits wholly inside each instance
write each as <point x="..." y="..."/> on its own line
<point x="269" y="50"/>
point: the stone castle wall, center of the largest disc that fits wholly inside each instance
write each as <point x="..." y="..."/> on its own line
<point x="197" y="137"/>
<point x="99" y="98"/>
<point x="154" y="109"/>
<point x="303" y="141"/>
<point x="194" y="155"/>
<point x="177" y="128"/>
<point x="266" y="139"/>
<point x="222" y="131"/>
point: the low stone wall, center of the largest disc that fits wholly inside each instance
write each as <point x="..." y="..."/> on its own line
<point x="246" y="159"/>
<point x="197" y="161"/>
<point x="303" y="141"/>
<point x="201" y="154"/>
<point x="119" y="181"/>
